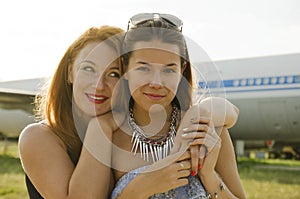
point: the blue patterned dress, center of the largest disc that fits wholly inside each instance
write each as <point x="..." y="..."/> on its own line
<point x="193" y="189"/>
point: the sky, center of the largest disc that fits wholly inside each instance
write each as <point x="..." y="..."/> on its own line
<point x="35" y="34"/>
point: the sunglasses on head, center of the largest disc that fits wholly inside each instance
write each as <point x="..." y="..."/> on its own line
<point x="140" y="19"/>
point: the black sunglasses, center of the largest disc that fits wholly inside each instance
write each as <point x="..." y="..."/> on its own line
<point x="142" y="18"/>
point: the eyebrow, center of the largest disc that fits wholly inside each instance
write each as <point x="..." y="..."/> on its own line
<point x="91" y="62"/>
<point x="88" y="61"/>
<point x="115" y="67"/>
<point x="149" y="64"/>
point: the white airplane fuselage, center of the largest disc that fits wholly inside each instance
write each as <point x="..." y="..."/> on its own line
<point x="267" y="92"/>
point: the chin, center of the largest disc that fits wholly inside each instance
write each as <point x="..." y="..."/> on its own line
<point x="102" y="112"/>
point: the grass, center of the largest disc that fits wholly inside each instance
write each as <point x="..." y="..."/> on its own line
<point x="12" y="181"/>
<point x="270" y="178"/>
<point x="261" y="178"/>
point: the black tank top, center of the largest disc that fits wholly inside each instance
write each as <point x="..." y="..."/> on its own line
<point x="32" y="192"/>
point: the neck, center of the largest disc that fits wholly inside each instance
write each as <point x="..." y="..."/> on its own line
<point x="81" y="121"/>
<point x="156" y="120"/>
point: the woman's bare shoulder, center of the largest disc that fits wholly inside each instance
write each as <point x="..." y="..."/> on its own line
<point x="36" y="135"/>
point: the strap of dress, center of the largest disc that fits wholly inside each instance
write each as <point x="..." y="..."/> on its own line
<point x="32" y="192"/>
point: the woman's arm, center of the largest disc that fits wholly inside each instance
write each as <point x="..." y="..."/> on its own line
<point x="222" y="111"/>
<point x="222" y="160"/>
<point x="168" y="173"/>
<point x="46" y="162"/>
<point x="92" y="175"/>
<point x="216" y="110"/>
<point x="226" y="165"/>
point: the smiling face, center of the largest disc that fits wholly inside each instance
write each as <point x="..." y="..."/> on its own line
<point x="154" y="74"/>
<point x="94" y="75"/>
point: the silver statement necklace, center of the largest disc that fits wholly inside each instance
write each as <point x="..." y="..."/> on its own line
<point x="160" y="147"/>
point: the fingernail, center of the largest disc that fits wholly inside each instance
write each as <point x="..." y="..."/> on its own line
<point x="185" y="129"/>
<point x="184" y="134"/>
<point x="199" y="166"/>
<point x="193" y="173"/>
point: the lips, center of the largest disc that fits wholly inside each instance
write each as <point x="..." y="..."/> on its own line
<point x="154" y="96"/>
<point x="97" y="99"/>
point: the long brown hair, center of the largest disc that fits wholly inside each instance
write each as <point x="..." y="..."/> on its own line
<point x="56" y="106"/>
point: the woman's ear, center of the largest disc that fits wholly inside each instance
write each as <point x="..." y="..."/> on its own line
<point x="122" y="64"/>
<point x="70" y="76"/>
<point x="183" y="67"/>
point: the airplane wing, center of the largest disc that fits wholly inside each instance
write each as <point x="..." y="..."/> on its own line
<point x="16" y="99"/>
<point x="16" y="105"/>
<point x="19" y="94"/>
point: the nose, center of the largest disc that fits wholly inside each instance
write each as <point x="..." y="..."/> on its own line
<point x="156" y="81"/>
<point x="100" y="82"/>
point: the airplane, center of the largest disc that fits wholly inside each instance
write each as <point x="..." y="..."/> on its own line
<point x="16" y="105"/>
<point x="266" y="90"/>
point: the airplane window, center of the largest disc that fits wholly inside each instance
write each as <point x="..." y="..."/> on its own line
<point x="250" y="81"/>
<point x="258" y="81"/>
<point x="290" y="79"/>
<point x="236" y="82"/>
<point x="297" y="79"/>
<point x="274" y="80"/>
<point x="281" y="80"/>
<point x="243" y="82"/>
<point x="266" y="80"/>
<point x="202" y="85"/>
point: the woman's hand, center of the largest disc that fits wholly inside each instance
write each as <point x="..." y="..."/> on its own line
<point x="204" y="138"/>
<point x="162" y="176"/>
<point x="194" y="131"/>
<point x="212" y="110"/>
<point x="213" y="146"/>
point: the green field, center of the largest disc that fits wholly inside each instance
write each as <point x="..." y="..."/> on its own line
<point x="12" y="183"/>
<point x="260" y="178"/>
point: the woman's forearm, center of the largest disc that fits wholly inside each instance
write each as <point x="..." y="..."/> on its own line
<point x="222" y="111"/>
<point x="133" y="191"/>
<point x="216" y="188"/>
<point x="93" y="172"/>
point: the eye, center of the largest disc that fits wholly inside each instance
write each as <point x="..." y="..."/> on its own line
<point x="114" y="74"/>
<point x="88" y="68"/>
<point x="142" y="68"/>
<point x="169" y="70"/>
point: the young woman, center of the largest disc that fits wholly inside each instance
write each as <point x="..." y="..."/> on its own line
<point x="155" y="92"/>
<point x="80" y="89"/>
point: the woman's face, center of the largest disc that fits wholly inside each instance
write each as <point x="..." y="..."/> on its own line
<point x="95" y="73"/>
<point x="154" y="72"/>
